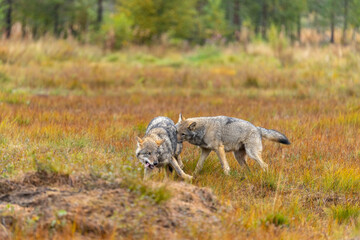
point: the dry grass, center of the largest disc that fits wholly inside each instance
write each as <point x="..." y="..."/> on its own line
<point x="73" y="109"/>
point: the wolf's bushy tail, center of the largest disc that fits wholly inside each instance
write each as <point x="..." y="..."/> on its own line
<point x="273" y="135"/>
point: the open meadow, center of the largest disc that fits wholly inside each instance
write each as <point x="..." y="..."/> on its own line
<point x="69" y="115"/>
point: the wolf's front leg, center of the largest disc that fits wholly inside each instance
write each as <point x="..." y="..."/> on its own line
<point x="181" y="164"/>
<point x="178" y="169"/>
<point x="204" y="154"/>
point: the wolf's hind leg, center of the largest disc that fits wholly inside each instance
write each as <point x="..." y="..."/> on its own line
<point x="240" y="156"/>
<point x="253" y="150"/>
<point x="222" y="157"/>
<point x="204" y="154"/>
<point x="178" y="170"/>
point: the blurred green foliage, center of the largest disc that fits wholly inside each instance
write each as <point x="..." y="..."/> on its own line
<point x="115" y="23"/>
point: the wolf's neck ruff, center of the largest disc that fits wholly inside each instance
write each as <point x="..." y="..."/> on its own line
<point x="198" y="137"/>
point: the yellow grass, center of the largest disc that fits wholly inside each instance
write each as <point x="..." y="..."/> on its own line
<point x="75" y="109"/>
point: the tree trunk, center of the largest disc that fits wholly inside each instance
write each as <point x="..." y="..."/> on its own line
<point x="299" y="28"/>
<point x="23" y="28"/>
<point x="332" y="27"/>
<point x="35" y="31"/>
<point x="316" y="22"/>
<point x="99" y="13"/>
<point x="72" y="30"/>
<point x="237" y="19"/>
<point x="264" y="13"/>
<point x="346" y="6"/>
<point x="353" y="37"/>
<point x="8" y="18"/>
<point x="56" y="20"/>
<point x="257" y="27"/>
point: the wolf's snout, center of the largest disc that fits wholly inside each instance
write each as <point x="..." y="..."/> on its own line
<point x="149" y="165"/>
<point x="155" y="163"/>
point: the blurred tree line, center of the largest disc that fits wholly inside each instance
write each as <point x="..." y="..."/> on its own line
<point x="118" y="22"/>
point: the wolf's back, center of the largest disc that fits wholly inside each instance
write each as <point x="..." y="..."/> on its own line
<point x="160" y="122"/>
<point x="273" y="135"/>
<point x="167" y="125"/>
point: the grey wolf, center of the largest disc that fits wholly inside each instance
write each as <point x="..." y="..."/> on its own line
<point x="226" y="134"/>
<point x="159" y="148"/>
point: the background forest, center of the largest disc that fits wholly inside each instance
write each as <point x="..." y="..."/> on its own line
<point x="115" y="23"/>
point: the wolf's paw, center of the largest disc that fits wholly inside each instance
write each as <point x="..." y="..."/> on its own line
<point x="265" y="167"/>
<point x="187" y="177"/>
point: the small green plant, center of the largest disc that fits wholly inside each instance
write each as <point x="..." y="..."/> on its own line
<point x="44" y="165"/>
<point x="4" y="78"/>
<point x="251" y="82"/>
<point x="3" y="140"/>
<point x="22" y="121"/>
<point x="156" y="194"/>
<point x="267" y="180"/>
<point x="270" y="180"/>
<point x="277" y="219"/>
<point x="60" y="220"/>
<point x="61" y="213"/>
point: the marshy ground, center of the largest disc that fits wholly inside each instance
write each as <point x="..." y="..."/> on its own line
<point x="69" y="115"/>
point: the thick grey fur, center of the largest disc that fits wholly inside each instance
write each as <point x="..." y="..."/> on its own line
<point x="226" y="134"/>
<point x="167" y="153"/>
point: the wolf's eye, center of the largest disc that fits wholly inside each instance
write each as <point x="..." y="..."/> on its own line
<point x="149" y="153"/>
<point x="183" y="134"/>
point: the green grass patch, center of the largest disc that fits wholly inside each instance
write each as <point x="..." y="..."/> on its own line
<point x="4" y="78"/>
<point x="78" y="142"/>
<point x="13" y="98"/>
<point x="155" y="194"/>
<point x="277" y="219"/>
<point x="268" y="180"/>
<point x="352" y="119"/>
<point x="22" y="121"/>
<point x="344" y="213"/>
<point x="334" y="179"/>
<point x="341" y="180"/>
<point x="208" y="54"/>
<point x="3" y="140"/>
<point x="44" y="165"/>
<point x="140" y="128"/>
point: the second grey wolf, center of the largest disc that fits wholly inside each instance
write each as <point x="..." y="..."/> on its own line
<point x="159" y="147"/>
<point x="226" y="134"/>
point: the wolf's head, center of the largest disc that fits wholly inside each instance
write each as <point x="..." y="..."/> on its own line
<point x="185" y="129"/>
<point x="147" y="151"/>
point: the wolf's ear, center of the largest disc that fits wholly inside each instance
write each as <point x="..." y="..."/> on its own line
<point x="181" y="118"/>
<point x="159" y="142"/>
<point x="192" y="126"/>
<point x="139" y="140"/>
